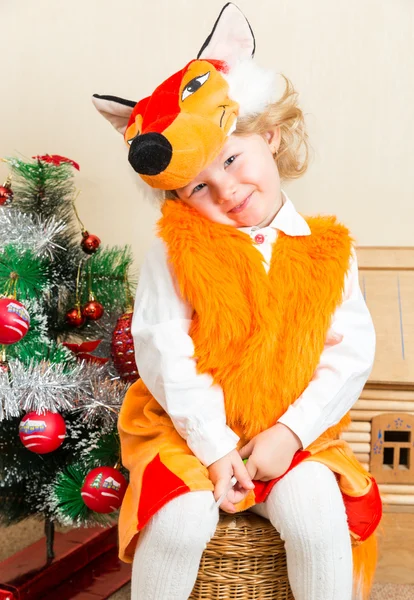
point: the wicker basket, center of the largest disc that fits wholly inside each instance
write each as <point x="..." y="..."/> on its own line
<point x="245" y="560"/>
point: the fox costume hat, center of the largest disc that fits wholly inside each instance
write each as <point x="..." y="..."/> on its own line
<point x="175" y="133"/>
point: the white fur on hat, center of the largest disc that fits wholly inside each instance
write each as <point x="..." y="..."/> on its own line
<point x="251" y="86"/>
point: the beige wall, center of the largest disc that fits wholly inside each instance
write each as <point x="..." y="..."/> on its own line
<point x="351" y="60"/>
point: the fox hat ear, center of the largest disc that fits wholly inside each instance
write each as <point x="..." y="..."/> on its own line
<point x="231" y="38"/>
<point x="116" y="110"/>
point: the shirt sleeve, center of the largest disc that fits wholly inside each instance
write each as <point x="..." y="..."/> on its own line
<point x="164" y="354"/>
<point x="344" y="367"/>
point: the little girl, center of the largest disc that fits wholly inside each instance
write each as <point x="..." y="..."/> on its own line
<point x="252" y="337"/>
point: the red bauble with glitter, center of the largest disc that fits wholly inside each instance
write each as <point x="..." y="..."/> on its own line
<point x="74" y="317"/>
<point x="104" y="489"/>
<point x="90" y="243"/>
<point x="93" y="310"/>
<point x="122" y="349"/>
<point x="6" y="195"/>
<point x="14" y="321"/>
<point x="42" y="433"/>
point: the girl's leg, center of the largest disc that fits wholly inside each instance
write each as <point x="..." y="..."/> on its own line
<point x="307" y="509"/>
<point x="170" y="546"/>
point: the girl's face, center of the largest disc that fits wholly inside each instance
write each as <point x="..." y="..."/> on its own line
<point x="241" y="187"/>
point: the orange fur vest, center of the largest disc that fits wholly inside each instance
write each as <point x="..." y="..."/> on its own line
<point x="259" y="335"/>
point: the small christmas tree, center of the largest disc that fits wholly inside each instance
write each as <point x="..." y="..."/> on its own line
<point x="65" y="307"/>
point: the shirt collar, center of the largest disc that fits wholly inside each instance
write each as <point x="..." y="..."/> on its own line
<point x="287" y="220"/>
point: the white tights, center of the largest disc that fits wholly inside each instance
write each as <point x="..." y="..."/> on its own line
<point x="306" y="507"/>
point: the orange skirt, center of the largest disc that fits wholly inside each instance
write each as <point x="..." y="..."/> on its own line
<point x="162" y="467"/>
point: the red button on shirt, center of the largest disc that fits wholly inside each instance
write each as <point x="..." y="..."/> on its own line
<point x="259" y="238"/>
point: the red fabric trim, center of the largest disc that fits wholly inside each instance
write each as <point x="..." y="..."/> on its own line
<point x="159" y="486"/>
<point x="263" y="488"/>
<point x="364" y="512"/>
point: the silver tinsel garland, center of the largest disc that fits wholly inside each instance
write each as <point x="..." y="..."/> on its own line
<point x="40" y="386"/>
<point x="102" y="401"/>
<point x="29" y="232"/>
<point x="9" y="405"/>
<point x="86" y="388"/>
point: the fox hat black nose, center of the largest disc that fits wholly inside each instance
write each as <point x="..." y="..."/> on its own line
<point x="150" y="153"/>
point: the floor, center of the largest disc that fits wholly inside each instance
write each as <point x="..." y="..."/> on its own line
<point x="387" y="591"/>
<point x="395" y="573"/>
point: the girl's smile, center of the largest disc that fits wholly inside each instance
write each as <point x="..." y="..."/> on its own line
<point x="242" y="205"/>
<point x="241" y="187"/>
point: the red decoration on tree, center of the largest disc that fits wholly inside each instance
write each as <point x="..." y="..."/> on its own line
<point x="6" y="193"/>
<point x="14" y="321"/>
<point x="93" y="309"/>
<point x="90" y="243"/>
<point x="104" y="489"/>
<point x="57" y="160"/>
<point x="82" y="351"/>
<point x="74" y="317"/>
<point x="122" y="348"/>
<point x="42" y="433"/>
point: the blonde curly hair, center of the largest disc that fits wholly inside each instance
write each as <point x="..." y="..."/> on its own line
<point x="292" y="157"/>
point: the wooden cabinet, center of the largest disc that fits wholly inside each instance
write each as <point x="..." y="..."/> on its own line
<point x="382" y="429"/>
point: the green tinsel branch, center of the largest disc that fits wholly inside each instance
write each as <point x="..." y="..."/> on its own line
<point x="102" y="451"/>
<point x="109" y="275"/>
<point x="47" y="190"/>
<point x="33" y="273"/>
<point x="42" y="188"/>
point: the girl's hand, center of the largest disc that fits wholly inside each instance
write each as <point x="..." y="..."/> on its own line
<point x="221" y="473"/>
<point x="270" y="452"/>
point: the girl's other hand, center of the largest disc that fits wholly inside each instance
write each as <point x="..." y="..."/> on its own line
<point x="222" y="471"/>
<point x="271" y="452"/>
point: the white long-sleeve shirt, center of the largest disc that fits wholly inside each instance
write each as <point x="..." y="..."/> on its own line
<point x="164" y="353"/>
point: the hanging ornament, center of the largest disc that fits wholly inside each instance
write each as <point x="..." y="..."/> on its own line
<point x="92" y="310"/>
<point x="6" y="193"/>
<point x="74" y="316"/>
<point x="104" y="489"/>
<point x="122" y="348"/>
<point x="82" y="351"/>
<point x="90" y="243"/>
<point x="42" y="433"/>
<point x="122" y="344"/>
<point x="14" y="321"/>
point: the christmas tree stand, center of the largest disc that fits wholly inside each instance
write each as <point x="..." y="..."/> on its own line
<point x="85" y="567"/>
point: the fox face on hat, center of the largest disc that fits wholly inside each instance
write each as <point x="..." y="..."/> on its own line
<point x="177" y="131"/>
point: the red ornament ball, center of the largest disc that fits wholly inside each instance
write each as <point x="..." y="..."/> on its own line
<point x="42" y="433"/>
<point x="93" y="310"/>
<point x="90" y="243"/>
<point x="104" y="489"/>
<point x="14" y="321"/>
<point x="6" y="195"/>
<point x="75" y="318"/>
<point x="122" y="349"/>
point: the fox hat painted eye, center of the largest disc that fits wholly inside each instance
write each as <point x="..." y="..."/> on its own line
<point x="194" y="85"/>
